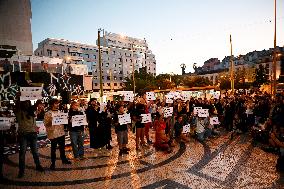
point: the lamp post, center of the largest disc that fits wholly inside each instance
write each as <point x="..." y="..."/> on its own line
<point x="232" y="67"/>
<point x="133" y="68"/>
<point x="100" y="65"/>
<point x="273" y="84"/>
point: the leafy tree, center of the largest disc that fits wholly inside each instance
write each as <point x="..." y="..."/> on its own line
<point x="260" y="76"/>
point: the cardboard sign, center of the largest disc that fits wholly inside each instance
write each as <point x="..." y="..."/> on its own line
<point x="168" y="111"/>
<point x="79" y="120"/>
<point x="186" y="129"/>
<point x="146" y="118"/>
<point x="216" y="94"/>
<point x="30" y="93"/>
<point x="59" y="118"/>
<point x="5" y="123"/>
<point x="214" y="121"/>
<point x="169" y="99"/>
<point x="150" y="96"/>
<point x="196" y="110"/>
<point x="124" y="119"/>
<point x="41" y="130"/>
<point x="203" y="113"/>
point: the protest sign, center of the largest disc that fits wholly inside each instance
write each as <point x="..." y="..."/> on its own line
<point x="30" y="93"/>
<point x="186" y="129"/>
<point x="150" y="96"/>
<point x="146" y="118"/>
<point x="203" y="113"/>
<point x="196" y="110"/>
<point x="168" y="111"/>
<point x="214" y="121"/>
<point x="5" y="123"/>
<point x="124" y="119"/>
<point x="41" y="130"/>
<point x="59" y="118"/>
<point x="79" y="120"/>
<point x="169" y="99"/>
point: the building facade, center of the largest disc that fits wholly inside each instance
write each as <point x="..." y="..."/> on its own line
<point x="117" y="57"/>
<point x="15" y="27"/>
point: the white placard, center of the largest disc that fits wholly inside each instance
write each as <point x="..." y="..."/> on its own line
<point x="102" y="107"/>
<point x="185" y="96"/>
<point x="79" y="120"/>
<point x="5" y="123"/>
<point x="186" y="129"/>
<point x="177" y="95"/>
<point x="216" y="94"/>
<point x="203" y="113"/>
<point x="124" y="119"/>
<point x="129" y="97"/>
<point x="214" y="121"/>
<point x="59" y="118"/>
<point x="168" y="111"/>
<point x="41" y="128"/>
<point x="30" y="93"/>
<point x="146" y="118"/>
<point x="169" y="99"/>
<point x="150" y="96"/>
<point x="196" y="110"/>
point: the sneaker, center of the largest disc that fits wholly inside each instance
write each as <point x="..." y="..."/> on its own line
<point x="40" y="168"/>
<point x="52" y="167"/>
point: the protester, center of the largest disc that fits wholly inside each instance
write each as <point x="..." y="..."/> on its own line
<point x="56" y="134"/>
<point x="92" y="118"/>
<point x="76" y="133"/>
<point x="27" y="134"/>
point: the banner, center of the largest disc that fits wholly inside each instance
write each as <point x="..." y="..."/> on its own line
<point x="59" y="118"/>
<point x="146" y="118"/>
<point x="124" y="119"/>
<point x="79" y="120"/>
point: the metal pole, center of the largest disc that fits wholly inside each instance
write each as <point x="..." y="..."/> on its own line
<point x="232" y="67"/>
<point x="100" y="65"/>
<point x="274" y="55"/>
<point x="133" y="69"/>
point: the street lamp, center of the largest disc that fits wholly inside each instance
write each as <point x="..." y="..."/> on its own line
<point x="100" y="65"/>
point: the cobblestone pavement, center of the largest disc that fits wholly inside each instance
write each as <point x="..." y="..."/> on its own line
<point x="218" y="163"/>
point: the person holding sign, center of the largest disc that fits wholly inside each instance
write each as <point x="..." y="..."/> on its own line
<point x="178" y="130"/>
<point x="27" y="134"/>
<point x="76" y="131"/>
<point x="203" y="128"/>
<point x="55" y="133"/>
<point x="122" y="132"/>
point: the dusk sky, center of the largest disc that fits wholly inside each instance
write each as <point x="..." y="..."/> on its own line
<point x="180" y="31"/>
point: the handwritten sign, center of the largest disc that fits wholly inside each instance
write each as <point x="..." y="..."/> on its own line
<point x="146" y="118"/>
<point x="102" y="107"/>
<point x="216" y="94"/>
<point x="30" y="93"/>
<point x="185" y="96"/>
<point x="59" y="118"/>
<point x="214" y="121"/>
<point x="203" y="113"/>
<point x="124" y="119"/>
<point x="169" y="99"/>
<point x="129" y="97"/>
<point x="168" y="111"/>
<point x="186" y="129"/>
<point x="5" y="123"/>
<point x="79" y="120"/>
<point x="196" y="110"/>
<point x="150" y="96"/>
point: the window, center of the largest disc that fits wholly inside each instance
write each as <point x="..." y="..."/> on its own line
<point x="108" y="77"/>
<point x="103" y="77"/>
<point x="107" y="65"/>
<point x="121" y="84"/>
<point x="120" y="78"/>
<point x="49" y="52"/>
<point x="96" y="84"/>
<point x="115" y="84"/>
<point x="95" y="77"/>
<point x="108" y="84"/>
<point x="62" y="53"/>
<point x="115" y="78"/>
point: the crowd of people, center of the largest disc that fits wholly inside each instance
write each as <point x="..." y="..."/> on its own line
<point x="255" y="114"/>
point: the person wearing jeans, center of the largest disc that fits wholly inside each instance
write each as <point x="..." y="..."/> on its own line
<point x="27" y="135"/>
<point x="56" y="134"/>
<point x="76" y="133"/>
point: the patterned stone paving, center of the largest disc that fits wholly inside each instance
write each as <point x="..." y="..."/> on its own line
<point x="218" y="163"/>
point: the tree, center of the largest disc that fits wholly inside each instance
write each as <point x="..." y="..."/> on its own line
<point x="260" y="76"/>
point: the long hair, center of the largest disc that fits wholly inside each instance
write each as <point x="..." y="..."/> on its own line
<point x="27" y="109"/>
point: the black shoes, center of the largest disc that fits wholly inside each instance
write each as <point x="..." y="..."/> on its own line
<point x="39" y="168"/>
<point x="66" y="162"/>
